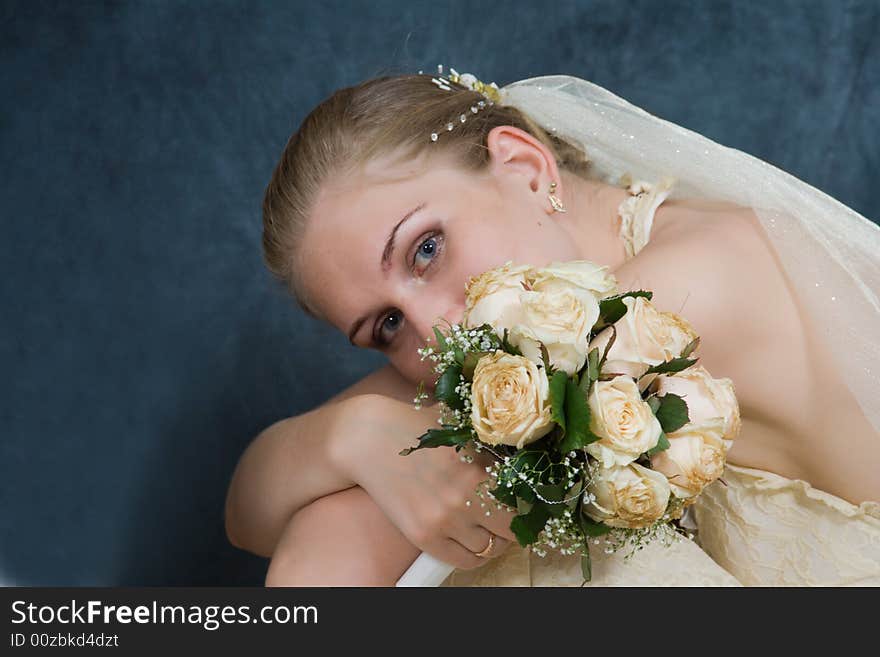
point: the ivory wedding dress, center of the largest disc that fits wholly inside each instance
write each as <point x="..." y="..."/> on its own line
<point x="755" y="528"/>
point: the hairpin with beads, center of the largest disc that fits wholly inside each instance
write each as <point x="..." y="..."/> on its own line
<point x="490" y="91"/>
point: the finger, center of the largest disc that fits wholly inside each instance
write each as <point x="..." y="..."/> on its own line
<point x="498" y="520"/>
<point x="480" y="536"/>
<point x="455" y="554"/>
<point x="498" y="547"/>
<point x="501" y="544"/>
<point x="475" y="538"/>
<point x="488" y="512"/>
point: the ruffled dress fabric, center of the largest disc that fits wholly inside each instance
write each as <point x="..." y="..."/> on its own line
<point x="768" y="530"/>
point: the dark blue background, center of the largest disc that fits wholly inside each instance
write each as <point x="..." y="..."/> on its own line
<point x="143" y="344"/>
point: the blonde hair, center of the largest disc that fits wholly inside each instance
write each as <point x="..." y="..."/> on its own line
<point x="383" y="115"/>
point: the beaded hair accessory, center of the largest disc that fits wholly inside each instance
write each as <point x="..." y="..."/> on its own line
<point x="491" y="92"/>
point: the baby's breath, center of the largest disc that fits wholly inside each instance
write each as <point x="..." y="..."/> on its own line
<point x="636" y="539"/>
<point x="561" y="534"/>
<point x="467" y="340"/>
<point x="464" y="341"/>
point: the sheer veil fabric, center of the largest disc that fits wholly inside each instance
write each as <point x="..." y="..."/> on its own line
<point x="830" y="253"/>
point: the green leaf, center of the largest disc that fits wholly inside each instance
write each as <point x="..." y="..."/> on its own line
<point x="586" y="565"/>
<point x="672" y="413"/>
<point x="445" y="437"/>
<point x="506" y="346"/>
<point x="590" y="372"/>
<point x="526" y="527"/>
<point x="459" y="355"/>
<point x="554" y="493"/>
<point x="557" y="397"/>
<point x="611" y="309"/>
<point x="592" y="528"/>
<point x="654" y="403"/>
<point x="692" y="346"/>
<point x="507" y="493"/>
<point x="573" y="494"/>
<point x="504" y="495"/>
<point x="523" y="506"/>
<point x="440" y="438"/>
<point x="442" y="344"/>
<point x="445" y="388"/>
<point x="577" y="419"/>
<point x="592" y="366"/>
<point x="674" y="365"/>
<point x="551" y="492"/>
<point x="523" y="491"/>
<point x="529" y="456"/>
<point x="522" y="460"/>
<point x="662" y="444"/>
<point x="470" y="363"/>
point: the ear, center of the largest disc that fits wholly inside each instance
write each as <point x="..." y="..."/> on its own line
<point x="518" y="158"/>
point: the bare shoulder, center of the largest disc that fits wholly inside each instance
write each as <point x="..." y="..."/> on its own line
<point x="695" y="240"/>
<point x="722" y="238"/>
<point x="385" y="381"/>
<point x="724" y="226"/>
<point x="712" y="263"/>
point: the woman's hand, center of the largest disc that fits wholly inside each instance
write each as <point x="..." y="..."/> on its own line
<point x="430" y="495"/>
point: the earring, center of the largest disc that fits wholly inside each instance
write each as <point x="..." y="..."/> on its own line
<point x="554" y="200"/>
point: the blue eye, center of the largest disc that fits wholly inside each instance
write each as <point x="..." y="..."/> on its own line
<point x="428" y="251"/>
<point x="391" y="323"/>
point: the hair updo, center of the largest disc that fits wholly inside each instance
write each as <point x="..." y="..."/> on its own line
<point x="384" y="115"/>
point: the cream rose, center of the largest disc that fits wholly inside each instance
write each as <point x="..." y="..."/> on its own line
<point x="706" y="398"/>
<point x="695" y="457"/>
<point x="493" y="297"/>
<point x="626" y="425"/>
<point x="630" y="496"/>
<point x="536" y="306"/>
<point x="510" y="400"/>
<point x="645" y="337"/>
<point x="580" y="273"/>
<point x="562" y="318"/>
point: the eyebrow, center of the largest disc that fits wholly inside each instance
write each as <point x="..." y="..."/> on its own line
<point x="384" y="264"/>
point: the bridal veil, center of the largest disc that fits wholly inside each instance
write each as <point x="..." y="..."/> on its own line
<point x="830" y="253"/>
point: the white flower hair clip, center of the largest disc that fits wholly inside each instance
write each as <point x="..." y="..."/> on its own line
<point x="491" y="92"/>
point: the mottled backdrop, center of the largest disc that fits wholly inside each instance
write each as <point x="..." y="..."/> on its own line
<point x="142" y="343"/>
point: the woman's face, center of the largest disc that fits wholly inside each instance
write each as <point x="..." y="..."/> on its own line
<point x="387" y="252"/>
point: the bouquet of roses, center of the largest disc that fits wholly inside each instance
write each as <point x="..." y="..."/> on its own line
<point x="600" y="421"/>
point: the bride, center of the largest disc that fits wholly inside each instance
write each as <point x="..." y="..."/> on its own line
<point x="394" y="192"/>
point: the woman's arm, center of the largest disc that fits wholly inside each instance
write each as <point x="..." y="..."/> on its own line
<point x="288" y="465"/>
<point x="430" y="495"/>
<point x="285" y="468"/>
<point x="342" y="539"/>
